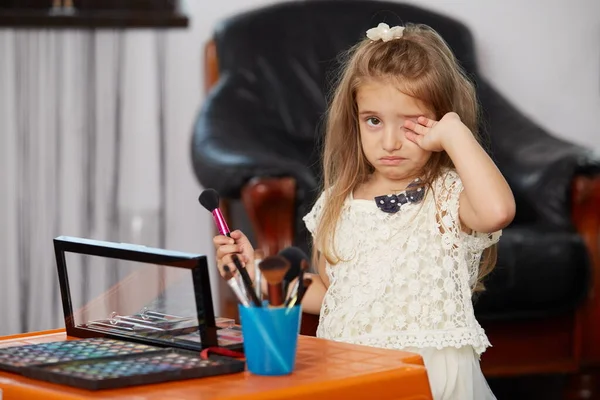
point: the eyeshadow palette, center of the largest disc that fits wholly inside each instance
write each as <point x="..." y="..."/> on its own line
<point x="13" y="359"/>
<point x="142" y="315"/>
<point x="101" y="363"/>
<point x="138" y="369"/>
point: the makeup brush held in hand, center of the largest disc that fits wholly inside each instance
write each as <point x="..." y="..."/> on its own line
<point x="233" y="284"/>
<point x="209" y="198"/>
<point x="273" y="269"/>
<point x="258" y="257"/>
<point x="247" y="281"/>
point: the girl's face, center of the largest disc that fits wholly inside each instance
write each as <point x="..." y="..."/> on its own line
<point x="382" y="110"/>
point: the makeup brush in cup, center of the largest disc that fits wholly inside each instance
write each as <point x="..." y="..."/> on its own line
<point x="258" y="257"/>
<point x="295" y="256"/>
<point x="247" y="281"/>
<point x="306" y="282"/>
<point x="233" y="284"/>
<point x="274" y="269"/>
<point x="299" y="281"/>
<point x="297" y="298"/>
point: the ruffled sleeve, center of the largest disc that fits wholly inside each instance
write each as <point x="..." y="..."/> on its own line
<point x="449" y="188"/>
<point x="311" y="220"/>
<point x="477" y="242"/>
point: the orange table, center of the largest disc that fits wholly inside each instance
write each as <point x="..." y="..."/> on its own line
<point x="324" y="370"/>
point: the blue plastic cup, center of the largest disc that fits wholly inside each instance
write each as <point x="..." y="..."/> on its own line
<point x="270" y="338"/>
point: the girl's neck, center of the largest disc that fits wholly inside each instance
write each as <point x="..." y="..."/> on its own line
<point x="377" y="185"/>
<point x="377" y="181"/>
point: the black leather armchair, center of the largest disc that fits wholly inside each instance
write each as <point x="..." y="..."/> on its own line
<point x="256" y="142"/>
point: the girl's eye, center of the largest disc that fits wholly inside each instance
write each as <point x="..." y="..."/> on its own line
<point x="372" y="121"/>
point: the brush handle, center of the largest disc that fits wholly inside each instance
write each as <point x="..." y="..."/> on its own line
<point x="291" y="302"/>
<point x="297" y="288"/>
<point x="275" y="293"/>
<point x="285" y="286"/>
<point x="246" y="279"/>
<point x="276" y="297"/>
<point x="293" y="293"/>
<point x="220" y="222"/>
<point x="297" y="299"/>
<point x="302" y="288"/>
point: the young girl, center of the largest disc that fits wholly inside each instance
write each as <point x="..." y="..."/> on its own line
<point x="412" y="206"/>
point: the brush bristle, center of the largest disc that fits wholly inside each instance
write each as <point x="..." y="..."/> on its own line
<point x="209" y="198"/>
<point x="274" y="269"/>
<point x="295" y="257"/>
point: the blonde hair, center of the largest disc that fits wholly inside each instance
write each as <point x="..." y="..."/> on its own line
<point x="422" y="65"/>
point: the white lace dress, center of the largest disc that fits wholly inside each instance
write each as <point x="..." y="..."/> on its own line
<point x="405" y="282"/>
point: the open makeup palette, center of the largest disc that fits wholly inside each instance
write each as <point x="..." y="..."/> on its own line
<point x="140" y="315"/>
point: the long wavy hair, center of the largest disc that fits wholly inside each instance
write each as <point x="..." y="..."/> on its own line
<point x="421" y="65"/>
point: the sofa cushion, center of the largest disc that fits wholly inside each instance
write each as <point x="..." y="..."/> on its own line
<point x="540" y="272"/>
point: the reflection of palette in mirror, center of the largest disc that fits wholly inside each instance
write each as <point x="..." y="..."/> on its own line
<point x="230" y="336"/>
<point x="138" y="290"/>
<point x="147" y="323"/>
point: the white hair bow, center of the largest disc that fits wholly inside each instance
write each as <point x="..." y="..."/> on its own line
<point x="385" y="33"/>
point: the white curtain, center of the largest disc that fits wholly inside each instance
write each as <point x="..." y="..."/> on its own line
<point x="83" y="152"/>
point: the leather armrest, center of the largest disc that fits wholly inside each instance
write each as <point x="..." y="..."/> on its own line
<point x="539" y="166"/>
<point x="586" y="217"/>
<point x="236" y="138"/>
<point x="270" y="204"/>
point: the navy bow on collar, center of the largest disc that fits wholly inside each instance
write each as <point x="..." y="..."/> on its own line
<point x="391" y="203"/>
